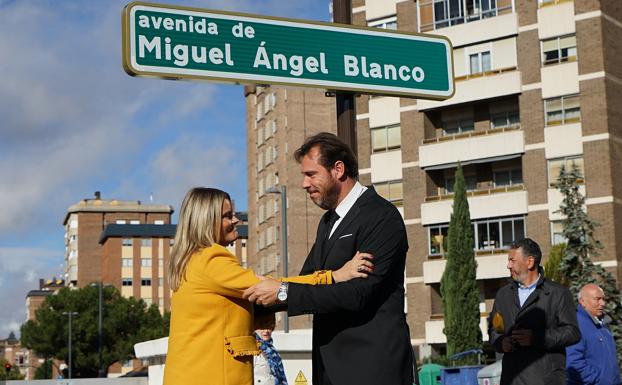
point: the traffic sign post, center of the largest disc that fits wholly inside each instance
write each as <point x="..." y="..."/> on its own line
<point x="181" y="42"/>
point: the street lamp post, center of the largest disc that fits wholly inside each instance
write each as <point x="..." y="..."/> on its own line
<point x="100" y="372"/>
<point x="70" y="314"/>
<point x="100" y="288"/>
<point x="283" y="193"/>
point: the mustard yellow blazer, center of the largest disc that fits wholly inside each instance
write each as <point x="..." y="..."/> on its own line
<point x="211" y="335"/>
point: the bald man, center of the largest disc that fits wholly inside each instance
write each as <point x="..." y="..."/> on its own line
<point x="593" y="360"/>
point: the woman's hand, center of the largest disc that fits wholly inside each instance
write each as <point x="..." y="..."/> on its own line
<point x="358" y="267"/>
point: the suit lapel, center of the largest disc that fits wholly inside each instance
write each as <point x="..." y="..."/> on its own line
<point x="318" y="255"/>
<point x="345" y="222"/>
<point x="330" y="242"/>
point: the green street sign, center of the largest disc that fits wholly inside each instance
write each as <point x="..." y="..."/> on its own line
<point x="180" y="42"/>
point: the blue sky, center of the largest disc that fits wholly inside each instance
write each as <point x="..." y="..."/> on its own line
<point x="73" y="122"/>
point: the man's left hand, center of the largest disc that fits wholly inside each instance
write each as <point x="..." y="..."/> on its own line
<point x="522" y="337"/>
<point x="264" y="292"/>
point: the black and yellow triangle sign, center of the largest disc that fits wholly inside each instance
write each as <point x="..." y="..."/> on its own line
<point x="300" y="379"/>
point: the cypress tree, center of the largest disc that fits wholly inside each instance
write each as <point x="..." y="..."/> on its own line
<point x="576" y="264"/>
<point x="458" y="285"/>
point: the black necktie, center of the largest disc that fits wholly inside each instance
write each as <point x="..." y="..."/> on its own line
<point x="331" y="218"/>
<point x="330" y="222"/>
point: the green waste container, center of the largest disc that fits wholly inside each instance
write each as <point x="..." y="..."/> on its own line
<point x="430" y="374"/>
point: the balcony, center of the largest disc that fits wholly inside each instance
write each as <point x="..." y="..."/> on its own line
<point x="471" y="147"/>
<point x="489" y="203"/>
<point x="434" y="16"/>
<point x="493" y="265"/>
<point x="482" y="86"/>
<point x="434" y="330"/>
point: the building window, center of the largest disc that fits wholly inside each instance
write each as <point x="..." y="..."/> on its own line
<point x="557" y="233"/>
<point x="470" y="181"/>
<point x="127" y="242"/>
<point x="160" y="282"/>
<point x="392" y="191"/>
<point x="480" y="62"/>
<point x="489" y="234"/>
<point x="455" y="127"/>
<point x="495" y="234"/>
<point x="126" y="281"/>
<point x="481" y="9"/>
<point x="559" y="49"/>
<point x="384" y="23"/>
<point x="562" y="110"/>
<point x="126" y="262"/>
<point x="121" y="221"/>
<point x="437" y="236"/>
<point x="386" y="138"/>
<point x="448" y="12"/>
<point x="145" y="262"/>
<point x="555" y="166"/>
<point x="134" y="222"/>
<point x="505" y="120"/>
<point x="509" y="177"/>
<point x="435" y="14"/>
<point x="145" y="242"/>
<point x="145" y="282"/>
<point x="158" y="222"/>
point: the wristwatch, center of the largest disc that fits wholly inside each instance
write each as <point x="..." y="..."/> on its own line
<point x="282" y="294"/>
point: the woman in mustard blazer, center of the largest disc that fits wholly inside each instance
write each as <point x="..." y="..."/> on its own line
<point x="211" y="334"/>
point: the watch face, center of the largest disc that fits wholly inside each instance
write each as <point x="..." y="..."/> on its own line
<point x="282" y="296"/>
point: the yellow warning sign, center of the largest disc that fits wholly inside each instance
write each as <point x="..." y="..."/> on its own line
<point x="300" y="379"/>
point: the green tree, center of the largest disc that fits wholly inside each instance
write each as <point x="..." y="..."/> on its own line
<point x="44" y="372"/>
<point x="582" y="245"/>
<point x="459" y="289"/>
<point x="552" y="270"/>
<point x="126" y="321"/>
<point x="11" y="374"/>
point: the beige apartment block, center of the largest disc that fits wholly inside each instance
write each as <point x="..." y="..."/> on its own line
<point x="538" y="86"/>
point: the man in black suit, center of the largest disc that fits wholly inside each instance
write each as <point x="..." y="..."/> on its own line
<point x="360" y="334"/>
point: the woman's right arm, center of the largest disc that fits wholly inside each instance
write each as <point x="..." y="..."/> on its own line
<point x="358" y="267"/>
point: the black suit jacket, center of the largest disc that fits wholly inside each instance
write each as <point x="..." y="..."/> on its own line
<point x="360" y="334"/>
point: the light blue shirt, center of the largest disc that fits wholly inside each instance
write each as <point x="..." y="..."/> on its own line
<point x="525" y="291"/>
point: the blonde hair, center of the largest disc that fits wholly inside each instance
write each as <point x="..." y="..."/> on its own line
<point x="199" y="226"/>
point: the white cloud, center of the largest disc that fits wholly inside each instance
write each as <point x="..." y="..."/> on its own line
<point x="20" y="269"/>
<point x="190" y="162"/>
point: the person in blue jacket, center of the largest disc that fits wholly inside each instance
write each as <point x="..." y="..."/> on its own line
<point x="593" y="360"/>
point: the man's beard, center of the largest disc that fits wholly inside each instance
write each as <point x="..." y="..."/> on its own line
<point x="328" y="200"/>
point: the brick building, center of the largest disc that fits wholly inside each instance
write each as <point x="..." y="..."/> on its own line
<point x="538" y="86"/>
<point x="86" y="221"/>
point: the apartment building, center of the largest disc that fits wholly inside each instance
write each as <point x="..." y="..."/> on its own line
<point x="85" y="232"/>
<point x="27" y="360"/>
<point x="538" y="86"/>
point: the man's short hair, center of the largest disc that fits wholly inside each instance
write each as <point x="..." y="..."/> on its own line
<point x="529" y="248"/>
<point x="332" y="149"/>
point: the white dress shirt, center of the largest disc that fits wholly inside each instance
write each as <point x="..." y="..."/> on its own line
<point x="347" y="203"/>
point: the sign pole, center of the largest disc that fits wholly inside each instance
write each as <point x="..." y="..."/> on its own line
<point x="346" y="107"/>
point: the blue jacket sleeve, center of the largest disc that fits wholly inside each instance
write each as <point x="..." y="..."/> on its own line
<point x="577" y="366"/>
